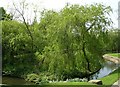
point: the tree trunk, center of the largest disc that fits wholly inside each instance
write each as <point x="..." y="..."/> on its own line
<point x="83" y="49"/>
<point x="85" y="56"/>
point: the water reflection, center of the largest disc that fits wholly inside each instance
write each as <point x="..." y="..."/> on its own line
<point x="14" y="81"/>
<point x="107" y="69"/>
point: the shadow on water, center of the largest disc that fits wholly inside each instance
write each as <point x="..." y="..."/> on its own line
<point x="107" y="68"/>
<point x="15" y="81"/>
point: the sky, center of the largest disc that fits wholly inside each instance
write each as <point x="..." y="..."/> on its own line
<point x="59" y="4"/>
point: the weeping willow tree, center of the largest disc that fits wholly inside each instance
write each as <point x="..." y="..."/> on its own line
<point x="75" y="39"/>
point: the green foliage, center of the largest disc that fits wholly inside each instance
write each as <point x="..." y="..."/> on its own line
<point x="113" y="45"/>
<point x="76" y="39"/>
<point x="66" y="44"/>
<point x="114" y="75"/>
<point x="77" y="80"/>
<point x="16" y="49"/>
<point x="33" y="78"/>
<point x="41" y="78"/>
<point x="4" y="15"/>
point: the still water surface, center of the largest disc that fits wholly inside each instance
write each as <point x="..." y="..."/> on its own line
<point x="14" y="81"/>
<point x="108" y="68"/>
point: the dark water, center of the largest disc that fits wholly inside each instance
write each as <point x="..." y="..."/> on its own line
<point x="108" y="68"/>
<point x="14" y="81"/>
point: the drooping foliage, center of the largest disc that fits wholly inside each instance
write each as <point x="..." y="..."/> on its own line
<point x="76" y="36"/>
<point x="68" y="44"/>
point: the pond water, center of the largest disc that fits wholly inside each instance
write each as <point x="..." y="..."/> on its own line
<point x="14" y="81"/>
<point x="108" y="68"/>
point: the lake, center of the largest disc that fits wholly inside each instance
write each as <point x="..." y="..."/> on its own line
<point x="108" y="68"/>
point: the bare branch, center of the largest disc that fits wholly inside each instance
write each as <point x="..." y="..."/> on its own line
<point x="27" y="26"/>
<point x="91" y="26"/>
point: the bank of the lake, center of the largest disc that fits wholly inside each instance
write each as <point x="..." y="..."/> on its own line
<point x="107" y="80"/>
<point x="108" y="68"/>
<point x="109" y="71"/>
<point x="15" y="81"/>
<point x="112" y="57"/>
<point x="111" y="78"/>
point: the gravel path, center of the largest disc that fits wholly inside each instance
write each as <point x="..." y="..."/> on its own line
<point x="116" y="84"/>
<point x="117" y="61"/>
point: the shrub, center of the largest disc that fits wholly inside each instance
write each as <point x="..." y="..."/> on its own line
<point x="33" y="78"/>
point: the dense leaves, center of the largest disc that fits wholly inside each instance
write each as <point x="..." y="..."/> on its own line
<point x="114" y="40"/>
<point x="66" y="44"/>
<point x="76" y="36"/>
<point x="16" y="46"/>
<point x="4" y="15"/>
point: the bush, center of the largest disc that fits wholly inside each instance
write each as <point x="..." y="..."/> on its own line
<point x="46" y="76"/>
<point x="33" y="78"/>
<point x="77" y="80"/>
<point x="41" y="78"/>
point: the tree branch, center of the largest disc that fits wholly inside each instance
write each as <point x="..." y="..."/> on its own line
<point x="27" y="27"/>
<point x="91" y="26"/>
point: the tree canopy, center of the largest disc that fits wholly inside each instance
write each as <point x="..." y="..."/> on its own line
<point x="68" y="43"/>
<point x="76" y="36"/>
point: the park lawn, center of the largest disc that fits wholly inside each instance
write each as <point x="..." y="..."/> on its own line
<point x="114" y="54"/>
<point x="73" y="84"/>
<point x="111" y="78"/>
<point x="70" y="83"/>
<point x="107" y="81"/>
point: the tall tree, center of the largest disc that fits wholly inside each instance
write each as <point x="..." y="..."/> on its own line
<point x="75" y="34"/>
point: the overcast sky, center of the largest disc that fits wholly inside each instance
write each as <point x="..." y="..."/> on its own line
<point x="58" y="4"/>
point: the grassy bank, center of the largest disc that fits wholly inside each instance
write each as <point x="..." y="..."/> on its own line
<point x="107" y="81"/>
<point x="114" y="54"/>
<point x="111" y="78"/>
<point x="70" y="83"/>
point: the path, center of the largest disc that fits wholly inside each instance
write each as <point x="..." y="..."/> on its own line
<point x="112" y="59"/>
<point x="116" y="84"/>
<point x="117" y="61"/>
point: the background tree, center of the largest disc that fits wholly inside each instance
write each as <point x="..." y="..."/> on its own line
<point x="113" y="45"/>
<point x="73" y="38"/>
<point x="4" y="15"/>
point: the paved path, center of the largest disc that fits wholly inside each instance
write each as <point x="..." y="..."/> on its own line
<point x="112" y="59"/>
<point x="116" y="84"/>
<point x="117" y="61"/>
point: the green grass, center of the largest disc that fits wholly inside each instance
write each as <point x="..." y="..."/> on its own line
<point x="107" y="81"/>
<point x="114" y="54"/>
<point x="111" y="78"/>
<point x="74" y="84"/>
<point x="70" y="83"/>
